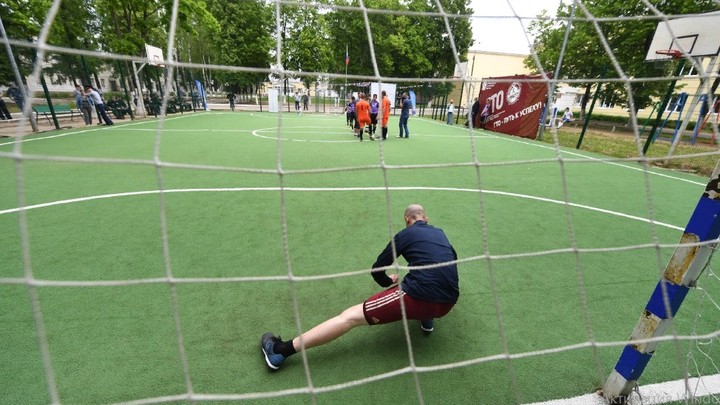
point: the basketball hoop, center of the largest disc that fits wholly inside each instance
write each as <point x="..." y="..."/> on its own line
<point x="673" y="53"/>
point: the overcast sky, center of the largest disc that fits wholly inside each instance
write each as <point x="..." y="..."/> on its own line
<point x="505" y="34"/>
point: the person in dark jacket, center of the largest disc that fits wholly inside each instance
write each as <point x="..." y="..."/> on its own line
<point x="426" y="293"/>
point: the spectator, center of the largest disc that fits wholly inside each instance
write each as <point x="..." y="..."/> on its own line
<point x="450" y="111"/>
<point x="4" y="113"/>
<point x="297" y="102"/>
<point x="16" y="95"/>
<point x="567" y="117"/>
<point x="95" y="97"/>
<point x="485" y="115"/>
<point x="474" y="111"/>
<point x="83" y="103"/>
<point x="305" y="100"/>
<point x="231" y="97"/>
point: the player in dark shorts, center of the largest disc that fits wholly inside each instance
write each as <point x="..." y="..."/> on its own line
<point x="426" y="294"/>
<point x="350" y="113"/>
<point x="374" y="108"/>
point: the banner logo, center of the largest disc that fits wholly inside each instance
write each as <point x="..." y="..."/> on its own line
<point x="513" y="93"/>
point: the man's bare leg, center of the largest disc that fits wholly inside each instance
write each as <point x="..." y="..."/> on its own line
<point x="331" y="329"/>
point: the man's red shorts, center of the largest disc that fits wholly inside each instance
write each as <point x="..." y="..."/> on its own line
<point x="384" y="307"/>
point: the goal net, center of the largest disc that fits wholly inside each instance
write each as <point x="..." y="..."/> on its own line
<point x="142" y="261"/>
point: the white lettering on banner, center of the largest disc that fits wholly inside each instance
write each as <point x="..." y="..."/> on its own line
<point x="512" y="117"/>
<point x="497" y="100"/>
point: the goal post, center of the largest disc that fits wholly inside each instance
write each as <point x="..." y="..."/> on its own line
<point x="689" y="260"/>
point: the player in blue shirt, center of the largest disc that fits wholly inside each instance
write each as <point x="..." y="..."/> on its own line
<point x="426" y="293"/>
<point x="405" y="115"/>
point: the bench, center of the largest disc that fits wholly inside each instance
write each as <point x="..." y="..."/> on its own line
<point x="118" y="108"/>
<point x="60" y="109"/>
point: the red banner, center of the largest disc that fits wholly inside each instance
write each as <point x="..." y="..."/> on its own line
<point x="515" y="104"/>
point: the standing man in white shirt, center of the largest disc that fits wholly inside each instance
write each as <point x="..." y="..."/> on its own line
<point x="450" y="111"/>
<point x="99" y="103"/>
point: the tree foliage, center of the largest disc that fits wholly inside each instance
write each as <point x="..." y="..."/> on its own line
<point x="586" y="57"/>
<point x="404" y="45"/>
<point x="245" y="39"/>
<point x="314" y="36"/>
<point x="22" y="21"/>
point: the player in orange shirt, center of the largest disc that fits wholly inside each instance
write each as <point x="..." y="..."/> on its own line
<point x="385" y="114"/>
<point x="362" y="116"/>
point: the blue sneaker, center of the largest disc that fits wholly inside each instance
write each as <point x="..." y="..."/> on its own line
<point x="427" y="326"/>
<point x="267" y="344"/>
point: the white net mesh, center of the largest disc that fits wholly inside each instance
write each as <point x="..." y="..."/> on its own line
<point x="553" y="261"/>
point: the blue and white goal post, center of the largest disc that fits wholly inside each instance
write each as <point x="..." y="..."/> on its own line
<point x="691" y="257"/>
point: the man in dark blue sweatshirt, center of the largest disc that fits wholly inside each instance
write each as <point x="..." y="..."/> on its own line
<point x="426" y="293"/>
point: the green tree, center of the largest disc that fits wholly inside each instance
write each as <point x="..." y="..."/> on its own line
<point x="405" y="45"/>
<point x="306" y="46"/>
<point x="74" y="27"/>
<point x="245" y="40"/>
<point x="127" y="25"/>
<point x="587" y="58"/>
<point x="22" y="20"/>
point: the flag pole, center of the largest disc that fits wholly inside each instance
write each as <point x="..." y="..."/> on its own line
<point x="347" y="61"/>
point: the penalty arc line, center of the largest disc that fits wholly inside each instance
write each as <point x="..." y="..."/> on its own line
<point x="346" y="189"/>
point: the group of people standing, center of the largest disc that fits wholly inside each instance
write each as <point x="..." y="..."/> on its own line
<point x="361" y="115"/>
<point x="304" y="99"/>
<point x="88" y="99"/>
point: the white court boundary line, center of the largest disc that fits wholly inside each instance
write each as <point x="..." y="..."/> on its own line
<point x="345" y="189"/>
<point x="660" y="393"/>
<point x="539" y="144"/>
<point x="26" y="138"/>
<point x="508" y="138"/>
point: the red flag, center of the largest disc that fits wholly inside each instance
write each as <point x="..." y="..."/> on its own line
<point x="347" y="56"/>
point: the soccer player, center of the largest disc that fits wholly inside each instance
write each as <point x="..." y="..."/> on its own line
<point x="405" y="115"/>
<point x="385" y="114"/>
<point x="374" y="107"/>
<point x="350" y="112"/>
<point x="362" y="117"/>
<point x="425" y="293"/>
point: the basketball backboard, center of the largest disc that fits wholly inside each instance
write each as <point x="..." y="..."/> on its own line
<point x="154" y="55"/>
<point x="695" y="36"/>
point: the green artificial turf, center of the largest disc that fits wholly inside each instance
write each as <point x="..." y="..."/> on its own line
<point x="238" y="203"/>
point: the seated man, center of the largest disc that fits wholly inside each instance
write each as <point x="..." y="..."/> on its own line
<point x="567" y="117"/>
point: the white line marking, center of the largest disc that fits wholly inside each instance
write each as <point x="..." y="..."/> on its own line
<point x="702" y="390"/>
<point x="92" y="129"/>
<point x="540" y="145"/>
<point x="322" y="189"/>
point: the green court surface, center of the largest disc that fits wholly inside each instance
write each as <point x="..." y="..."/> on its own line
<point x="556" y="251"/>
